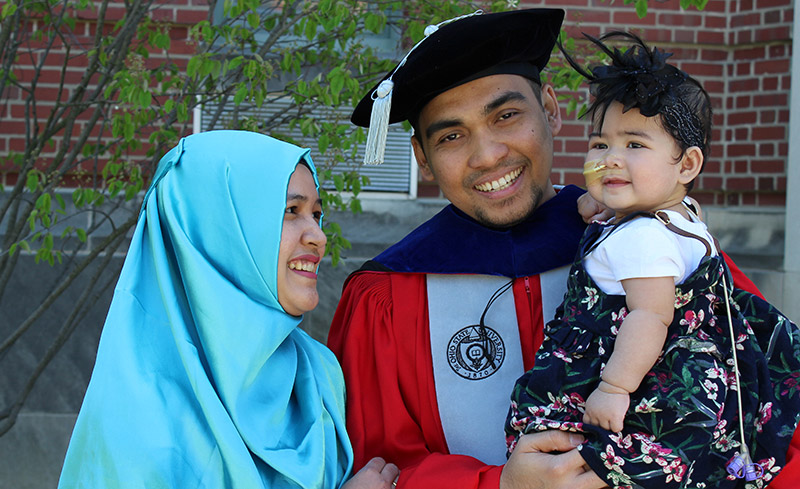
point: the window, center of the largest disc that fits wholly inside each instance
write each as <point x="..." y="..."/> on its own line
<point x="397" y="174"/>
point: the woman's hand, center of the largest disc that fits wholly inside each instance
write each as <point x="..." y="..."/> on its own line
<point x="377" y="474"/>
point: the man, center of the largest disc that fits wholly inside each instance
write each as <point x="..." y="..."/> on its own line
<point x="429" y="337"/>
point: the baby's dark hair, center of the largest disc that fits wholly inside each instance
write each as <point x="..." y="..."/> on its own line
<point x="641" y="78"/>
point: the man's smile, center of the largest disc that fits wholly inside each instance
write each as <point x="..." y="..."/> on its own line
<point x="501" y="183"/>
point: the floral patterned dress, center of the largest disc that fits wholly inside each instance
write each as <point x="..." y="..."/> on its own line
<point x="682" y="427"/>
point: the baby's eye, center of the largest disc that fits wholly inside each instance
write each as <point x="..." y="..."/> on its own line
<point x="598" y="145"/>
<point x="634" y="145"/>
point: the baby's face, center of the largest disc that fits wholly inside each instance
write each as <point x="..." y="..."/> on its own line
<point x="633" y="164"/>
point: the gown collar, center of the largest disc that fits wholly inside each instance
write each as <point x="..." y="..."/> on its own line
<point x="452" y="242"/>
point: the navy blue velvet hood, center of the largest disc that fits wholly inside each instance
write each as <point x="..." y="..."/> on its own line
<point x="452" y="242"/>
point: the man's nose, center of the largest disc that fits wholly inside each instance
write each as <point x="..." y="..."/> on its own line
<point x="488" y="150"/>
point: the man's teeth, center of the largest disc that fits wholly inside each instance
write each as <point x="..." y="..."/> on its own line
<point x="306" y="266"/>
<point x="500" y="183"/>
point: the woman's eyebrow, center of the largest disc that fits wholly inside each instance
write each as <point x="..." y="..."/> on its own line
<point x="301" y="198"/>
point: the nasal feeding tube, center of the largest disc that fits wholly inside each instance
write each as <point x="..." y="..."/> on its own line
<point x="594" y="170"/>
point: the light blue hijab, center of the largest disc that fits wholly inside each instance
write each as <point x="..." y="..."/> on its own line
<point x="201" y="379"/>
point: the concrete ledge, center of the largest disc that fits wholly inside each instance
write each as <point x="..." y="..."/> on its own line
<point x="32" y="452"/>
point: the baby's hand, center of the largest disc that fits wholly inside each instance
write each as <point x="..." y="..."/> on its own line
<point x="606" y="407"/>
<point x="592" y="210"/>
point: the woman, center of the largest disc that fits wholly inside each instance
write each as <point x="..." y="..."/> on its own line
<point x="202" y="377"/>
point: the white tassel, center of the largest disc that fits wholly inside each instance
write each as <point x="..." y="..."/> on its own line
<point x="382" y="103"/>
<point x="379" y="124"/>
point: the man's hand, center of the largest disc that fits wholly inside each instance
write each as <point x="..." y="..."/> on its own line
<point x="592" y="210"/>
<point x="606" y="407"/>
<point x="377" y="474"/>
<point x="531" y="466"/>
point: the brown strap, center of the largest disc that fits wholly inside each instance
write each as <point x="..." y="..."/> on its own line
<point x="664" y="218"/>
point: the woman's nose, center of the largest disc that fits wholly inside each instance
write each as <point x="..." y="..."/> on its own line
<point x="314" y="235"/>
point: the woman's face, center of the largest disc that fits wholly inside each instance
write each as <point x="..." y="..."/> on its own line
<point x="302" y="245"/>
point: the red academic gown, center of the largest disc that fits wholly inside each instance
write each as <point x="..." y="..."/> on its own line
<point x="380" y="335"/>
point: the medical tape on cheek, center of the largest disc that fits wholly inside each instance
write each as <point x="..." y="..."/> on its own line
<point x="594" y="170"/>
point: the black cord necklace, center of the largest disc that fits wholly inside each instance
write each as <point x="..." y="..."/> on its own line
<point x="484" y="336"/>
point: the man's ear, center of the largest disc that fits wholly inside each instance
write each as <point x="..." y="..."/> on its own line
<point x="422" y="160"/>
<point x="691" y="164"/>
<point x="551" y="108"/>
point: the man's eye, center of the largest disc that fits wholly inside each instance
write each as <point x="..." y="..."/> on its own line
<point x="448" y="138"/>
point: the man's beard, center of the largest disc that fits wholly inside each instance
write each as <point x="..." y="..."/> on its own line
<point x="485" y="220"/>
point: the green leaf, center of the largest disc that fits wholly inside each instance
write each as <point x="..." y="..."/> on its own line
<point x="241" y="93"/>
<point x="43" y="202"/>
<point x="9" y="9"/>
<point x="333" y="227"/>
<point x="641" y="8"/>
<point x="235" y="63"/>
<point x="193" y="66"/>
<point x="311" y="29"/>
<point x="338" y="182"/>
<point x="81" y="234"/>
<point x="337" y="84"/>
<point x="163" y="41"/>
<point x="253" y="20"/>
<point x="145" y="98"/>
<point x="129" y="129"/>
<point x="322" y="143"/>
<point x="33" y="180"/>
<point x="182" y="112"/>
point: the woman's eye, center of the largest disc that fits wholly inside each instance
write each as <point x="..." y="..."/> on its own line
<point x="291" y="209"/>
<point x="318" y="216"/>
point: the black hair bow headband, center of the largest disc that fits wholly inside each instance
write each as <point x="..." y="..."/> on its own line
<point x="641" y="78"/>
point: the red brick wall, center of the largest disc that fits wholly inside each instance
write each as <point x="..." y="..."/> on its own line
<point x="741" y="51"/>
<point x="176" y="15"/>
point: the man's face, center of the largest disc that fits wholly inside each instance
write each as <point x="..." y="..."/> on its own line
<point x="489" y="145"/>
